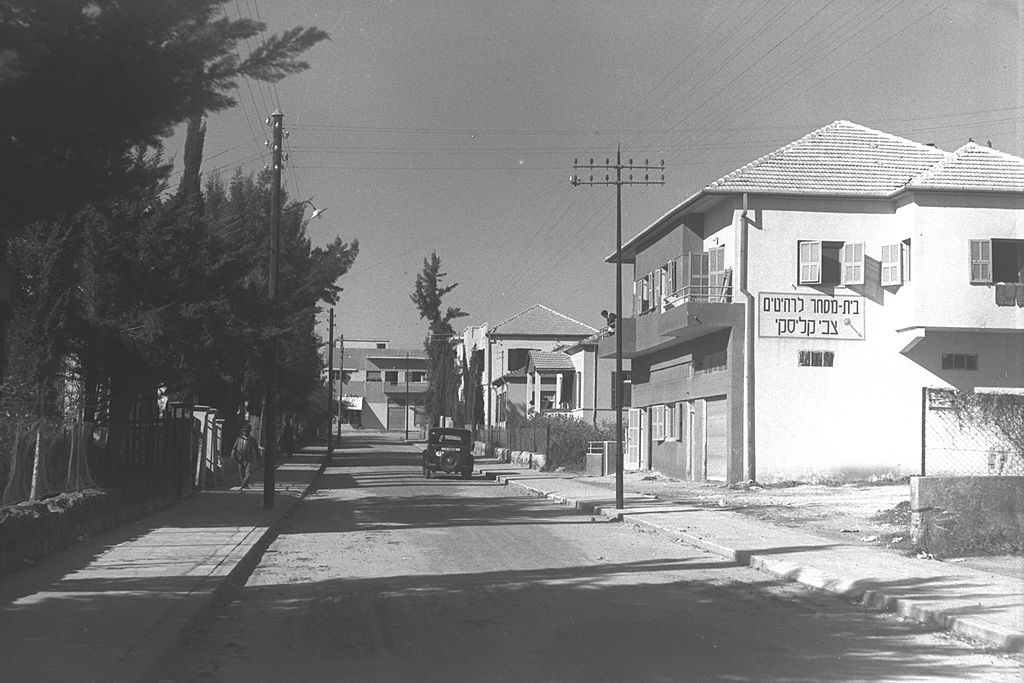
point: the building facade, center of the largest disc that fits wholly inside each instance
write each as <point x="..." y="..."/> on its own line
<point x="379" y="387"/>
<point x="787" y="318"/>
<point x="502" y="349"/>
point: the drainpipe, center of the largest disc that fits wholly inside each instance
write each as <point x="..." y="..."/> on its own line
<point x="594" y="398"/>
<point x="749" y="305"/>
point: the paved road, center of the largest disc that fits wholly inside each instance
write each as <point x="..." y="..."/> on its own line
<point x="384" y="576"/>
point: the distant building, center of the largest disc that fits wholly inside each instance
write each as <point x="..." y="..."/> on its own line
<point x="539" y="360"/>
<point x="379" y="387"/>
<point x="787" y="317"/>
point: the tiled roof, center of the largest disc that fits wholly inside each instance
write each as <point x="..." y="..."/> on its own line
<point x="973" y="167"/>
<point x="841" y="158"/>
<point x="542" y="321"/>
<point x="550" y="360"/>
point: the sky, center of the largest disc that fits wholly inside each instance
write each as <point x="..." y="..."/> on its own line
<point x="452" y="127"/>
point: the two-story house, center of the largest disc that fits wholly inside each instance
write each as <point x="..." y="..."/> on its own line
<point x="379" y="387"/>
<point x="787" y="317"/>
<point x="505" y="348"/>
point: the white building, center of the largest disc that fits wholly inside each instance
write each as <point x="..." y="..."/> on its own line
<point x="788" y="316"/>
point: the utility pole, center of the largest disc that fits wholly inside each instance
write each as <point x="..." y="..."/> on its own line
<point x="341" y="387"/>
<point x="406" y="395"/>
<point x="270" y="407"/>
<point x="330" y="386"/>
<point x="618" y="182"/>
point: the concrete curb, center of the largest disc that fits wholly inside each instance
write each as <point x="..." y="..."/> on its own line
<point x="972" y="628"/>
<point x="185" y="617"/>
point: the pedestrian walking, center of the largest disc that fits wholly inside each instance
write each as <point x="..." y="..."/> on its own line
<point x="243" y="452"/>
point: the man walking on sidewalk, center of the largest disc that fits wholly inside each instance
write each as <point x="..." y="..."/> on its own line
<point x="244" y="455"/>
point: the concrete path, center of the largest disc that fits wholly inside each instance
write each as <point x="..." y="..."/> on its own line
<point x="980" y="606"/>
<point x="109" y="608"/>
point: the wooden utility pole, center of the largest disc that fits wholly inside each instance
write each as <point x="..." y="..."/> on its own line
<point x="330" y="386"/>
<point x="618" y="182"/>
<point x="270" y="409"/>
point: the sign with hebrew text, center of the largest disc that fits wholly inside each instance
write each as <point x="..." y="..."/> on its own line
<point x="810" y="316"/>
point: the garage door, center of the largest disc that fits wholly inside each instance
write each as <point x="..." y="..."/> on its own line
<point x="716" y="449"/>
<point x="396" y="415"/>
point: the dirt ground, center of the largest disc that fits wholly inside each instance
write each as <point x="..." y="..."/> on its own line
<point x="876" y="514"/>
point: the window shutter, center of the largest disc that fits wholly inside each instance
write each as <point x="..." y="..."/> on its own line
<point x="892" y="265"/>
<point x="698" y="275"/>
<point x="716" y="274"/>
<point x="981" y="261"/>
<point x="810" y="263"/>
<point x="852" y="264"/>
<point x="658" y="423"/>
<point x="656" y="286"/>
<point x="670" y="278"/>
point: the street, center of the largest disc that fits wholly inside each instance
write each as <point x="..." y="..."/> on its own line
<point x="381" y="575"/>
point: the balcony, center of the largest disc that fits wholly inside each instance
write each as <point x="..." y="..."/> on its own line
<point x="401" y="388"/>
<point x="694" y="311"/>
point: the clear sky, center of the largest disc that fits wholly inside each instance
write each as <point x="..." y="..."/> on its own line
<point x="452" y="126"/>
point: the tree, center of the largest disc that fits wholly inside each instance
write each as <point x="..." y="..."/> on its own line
<point x="443" y="383"/>
<point x="86" y="82"/>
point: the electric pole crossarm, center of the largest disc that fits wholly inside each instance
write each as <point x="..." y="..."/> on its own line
<point x="618" y="167"/>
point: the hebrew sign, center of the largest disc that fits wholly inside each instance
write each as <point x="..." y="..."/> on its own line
<point x="810" y="316"/>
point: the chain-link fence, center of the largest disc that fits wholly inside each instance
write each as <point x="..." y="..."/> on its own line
<point x="971" y="434"/>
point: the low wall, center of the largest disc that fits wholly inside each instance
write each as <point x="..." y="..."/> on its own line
<point x="32" y="530"/>
<point x="521" y="458"/>
<point x="967" y="515"/>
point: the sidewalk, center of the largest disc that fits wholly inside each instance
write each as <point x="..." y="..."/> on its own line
<point x="981" y="606"/>
<point x="110" y="607"/>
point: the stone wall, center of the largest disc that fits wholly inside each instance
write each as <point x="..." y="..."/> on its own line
<point x="967" y="515"/>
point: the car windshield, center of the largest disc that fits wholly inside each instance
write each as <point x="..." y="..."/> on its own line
<point x="449" y="438"/>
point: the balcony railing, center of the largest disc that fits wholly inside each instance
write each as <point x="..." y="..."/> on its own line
<point x="710" y="294"/>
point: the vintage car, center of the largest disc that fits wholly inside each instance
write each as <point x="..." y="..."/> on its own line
<point x="448" y="450"/>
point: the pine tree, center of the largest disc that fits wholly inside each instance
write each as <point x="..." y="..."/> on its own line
<point x="443" y="382"/>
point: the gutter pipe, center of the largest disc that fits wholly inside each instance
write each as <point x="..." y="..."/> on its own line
<point x="749" y="457"/>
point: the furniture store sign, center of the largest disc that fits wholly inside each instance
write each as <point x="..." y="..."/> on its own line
<point x="813" y="316"/>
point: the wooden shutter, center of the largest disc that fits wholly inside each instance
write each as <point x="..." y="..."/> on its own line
<point x="852" y="264"/>
<point x="716" y="274"/>
<point x="810" y="263"/>
<point x="981" y="261"/>
<point x="892" y="265"/>
<point x="698" y="276"/>
<point x="658" y="423"/>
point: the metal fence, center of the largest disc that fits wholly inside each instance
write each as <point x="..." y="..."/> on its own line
<point x="960" y="439"/>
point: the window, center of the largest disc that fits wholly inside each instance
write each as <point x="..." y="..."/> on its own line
<point x="816" y="359"/>
<point x="959" y="361"/>
<point x="643" y="295"/>
<point x="518" y="358"/>
<point x="892" y="265"/>
<point x="382" y="345"/>
<point x="391" y="376"/>
<point x="335" y="375"/>
<point x="373" y="375"/>
<point x="417" y="376"/>
<point x="709" y="362"/>
<point x="830" y="263"/>
<point x="997" y="261"/>
<point x="658" y="423"/>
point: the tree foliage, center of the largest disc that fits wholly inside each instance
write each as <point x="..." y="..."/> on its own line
<point x="443" y="383"/>
<point x="85" y="83"/>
